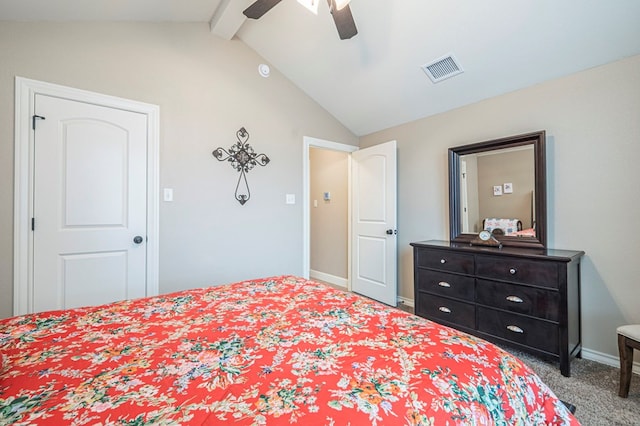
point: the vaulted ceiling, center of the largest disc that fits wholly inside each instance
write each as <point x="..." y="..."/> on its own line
<point x="374" y="80"/>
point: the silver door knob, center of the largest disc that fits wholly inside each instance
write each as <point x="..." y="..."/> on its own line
<point x="138" y="239"/>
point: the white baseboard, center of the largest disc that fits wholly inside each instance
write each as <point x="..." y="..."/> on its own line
<point x="606" y="359"/>
<point x="328" y="278"/>
<point x="405" y="301"/>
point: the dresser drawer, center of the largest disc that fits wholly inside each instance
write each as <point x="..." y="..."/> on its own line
<point x="526" y="296"/>
<point x="536" y="302"/>
<point x="540" y="273"/>
<point x="520" y="329"/>
<point x="445" y="260"/>
<point x="459" y="286"/>
<point x="451" y="311"/>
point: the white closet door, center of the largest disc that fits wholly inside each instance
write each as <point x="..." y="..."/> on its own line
<point x="90" y="183"/>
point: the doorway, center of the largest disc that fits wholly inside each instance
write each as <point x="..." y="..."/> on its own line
<point x="81" y="196"/>
<point x="338" y="148"/>
<point x="371" y="227"/>
<point x="329" y="215"/>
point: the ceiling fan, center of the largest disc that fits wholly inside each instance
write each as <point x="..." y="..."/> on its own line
<point x="339" y="10"/>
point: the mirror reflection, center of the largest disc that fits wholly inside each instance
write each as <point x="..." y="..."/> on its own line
<point x="499" y="185"/>
<point x="497" y="191"/>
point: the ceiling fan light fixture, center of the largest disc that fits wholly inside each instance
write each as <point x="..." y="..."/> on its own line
<point x="312" y="5"/>
<point x="343" y="19"/>
<point x="340" y="4"/>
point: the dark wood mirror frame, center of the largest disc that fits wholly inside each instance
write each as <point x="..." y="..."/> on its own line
<point x="537" y="139"/>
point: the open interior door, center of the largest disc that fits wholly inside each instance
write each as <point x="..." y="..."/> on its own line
<point x="374" y="244"/>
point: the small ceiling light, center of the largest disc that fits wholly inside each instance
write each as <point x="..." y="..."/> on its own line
<point x="340" y="4"/>
<point x="264" y="70"/>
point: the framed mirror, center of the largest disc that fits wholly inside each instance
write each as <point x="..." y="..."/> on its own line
<point x="500" y="186"/>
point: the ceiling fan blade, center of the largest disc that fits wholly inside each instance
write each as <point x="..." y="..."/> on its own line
<point x="343" y="19"/>
<point x="259" y="8"/>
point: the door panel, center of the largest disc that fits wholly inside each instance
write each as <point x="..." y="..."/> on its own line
<point x="89" y="204"/>
<point x="374" y="258"/>
<point x="108" y="278"/>
<point x="371" y="248"/>
<point x="371" y="178"/>
<point x="94" y="174"/>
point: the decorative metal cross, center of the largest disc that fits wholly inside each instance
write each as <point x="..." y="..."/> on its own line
<point x="242" y="158"/>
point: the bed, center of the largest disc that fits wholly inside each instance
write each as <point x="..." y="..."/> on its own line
<point x="272" y="351"/>
<point x="502" y="226"/>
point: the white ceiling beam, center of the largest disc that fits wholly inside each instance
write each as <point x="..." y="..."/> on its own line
<point x="228" y="18"/>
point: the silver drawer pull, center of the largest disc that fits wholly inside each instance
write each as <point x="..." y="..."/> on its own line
<point x="443" y="261"/>
<point x="444" y="309"/>
<point x="444" y="284"/>
<point x="515" y="329"/>
<point x="513" y="271"/>
<point x="514" y="299"/>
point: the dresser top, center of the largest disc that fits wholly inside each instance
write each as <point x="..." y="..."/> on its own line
<point x="549" y="254"/>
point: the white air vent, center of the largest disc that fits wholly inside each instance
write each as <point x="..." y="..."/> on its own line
<point x="442" y="68"/>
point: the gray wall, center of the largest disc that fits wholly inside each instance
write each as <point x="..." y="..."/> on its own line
<point x="593" y="143"/>
<point x="207" y="88"/>
<point x="328" y="172"/>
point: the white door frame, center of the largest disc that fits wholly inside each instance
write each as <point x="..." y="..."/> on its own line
<point x="25" y="92"/>
<point x="308" y="143"/>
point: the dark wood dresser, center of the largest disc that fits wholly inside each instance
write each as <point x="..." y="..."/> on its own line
<point x="528" y="298"/>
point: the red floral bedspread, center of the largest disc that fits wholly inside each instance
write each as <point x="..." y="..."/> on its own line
<point x="273" y="351"/>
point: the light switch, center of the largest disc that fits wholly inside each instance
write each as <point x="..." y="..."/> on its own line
<point x="168" y="194"/>
<point x="291" y="199"/>
<point x="315" y="203"/>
